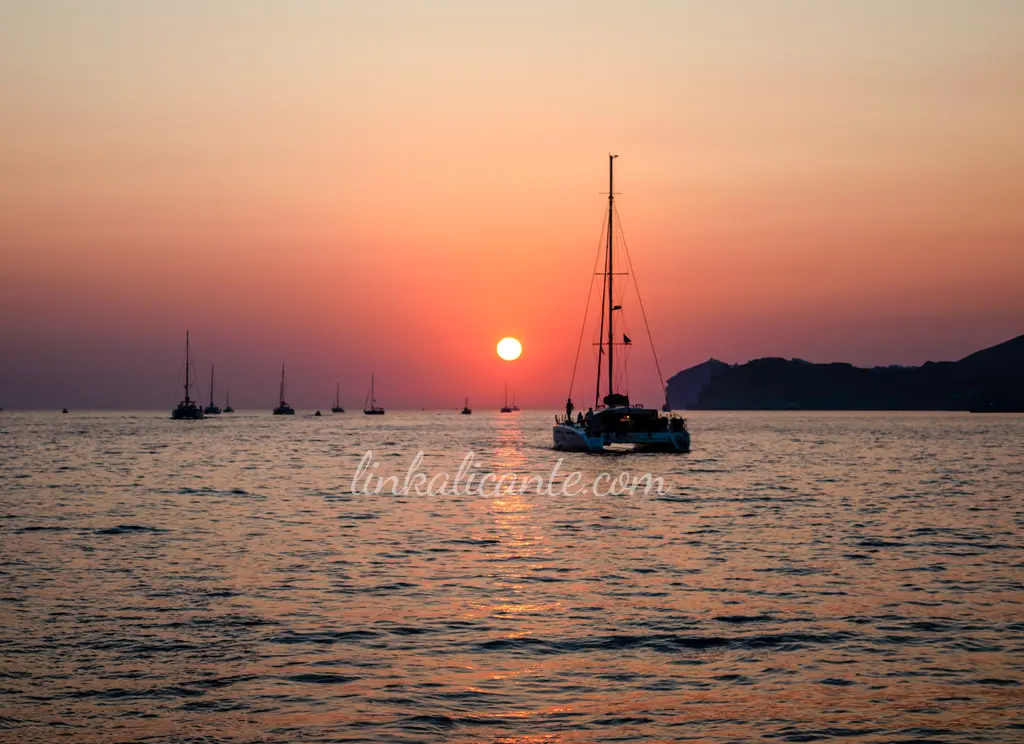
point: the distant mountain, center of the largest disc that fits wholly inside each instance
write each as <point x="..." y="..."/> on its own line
<point x="988" y="380"/>
<point x="684" y="388"/>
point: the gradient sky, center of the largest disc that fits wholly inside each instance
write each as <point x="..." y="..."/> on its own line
<point x="394" y="186"/>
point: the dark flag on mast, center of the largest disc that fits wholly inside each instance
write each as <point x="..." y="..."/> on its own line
<point x="626" y="339"/>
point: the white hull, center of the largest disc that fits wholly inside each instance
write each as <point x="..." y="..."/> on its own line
<point x="575" y="439"/>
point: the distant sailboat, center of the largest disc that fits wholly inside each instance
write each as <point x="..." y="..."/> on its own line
<point x="514" y="406"/>
<point x="372" y="409"/>
<point x="466" y="411"/>
<point x="187" y="409"/>
<point x="64" y="410"/>
<point x="212" y="408"/>
<point x="336" y="408"/>
<point x="227" y="401"/>
<point x="505" y="408"/>
<point x="283" y="409"/>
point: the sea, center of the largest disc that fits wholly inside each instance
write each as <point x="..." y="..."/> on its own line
<point x="797" y="577"/>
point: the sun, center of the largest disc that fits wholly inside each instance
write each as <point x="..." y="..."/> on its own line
<point x="509" y="348"/>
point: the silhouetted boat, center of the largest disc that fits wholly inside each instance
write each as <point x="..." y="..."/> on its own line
<point x="336" y="408"/>
<point x="506" y="408"/>
<point x="64" y="410"/>
<point x="514" y="406"/>
<point x="227" y="402"/>
<point x="618" y="421"/>
<point x="283" y="409"/>
<point x="318" y="414"/>
<point x="212" y="408"/>
<point x="187" y="409"/>
<point x="466" y="411"/>
<point x="372" y="409"/>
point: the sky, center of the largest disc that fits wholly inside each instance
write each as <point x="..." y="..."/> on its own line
<point x="392" y="187"/>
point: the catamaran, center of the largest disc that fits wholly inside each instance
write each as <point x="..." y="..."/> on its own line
<point x="614" y="420"/>
<point x="372" y="409"/>
<point x="283" y="409"/>
<point x="188" y="408"/>
<point x="212" y="408"/>
<point x="336" y="408"/>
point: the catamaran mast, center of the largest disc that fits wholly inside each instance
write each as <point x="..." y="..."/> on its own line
<point x="611" y="300"/>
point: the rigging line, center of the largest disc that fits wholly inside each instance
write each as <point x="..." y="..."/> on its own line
<point x="600" y="328"/>
<point x="640" y="301"/>
<point x="590" y="294"/>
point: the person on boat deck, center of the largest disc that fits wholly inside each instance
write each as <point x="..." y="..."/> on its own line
<point x="579" y="418"/>
<point x="589" y="418"/>
<point x="568" y="410"/>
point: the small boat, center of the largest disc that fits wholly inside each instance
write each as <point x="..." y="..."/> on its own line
<point x="466" y="410"/>
<point x="188" y="408"/>
<point x="318" y="413"/>
<point x="505" y="408"/>
<point x="212" y="408"/>
<point x="64" y="410"/>
<point x="514" y="406"/>
<point x="227" y="402"/>
<point x="614" y="420"/>
<point x="336" y="408"/>
<point x="372" y="409"/>
<point x="283" y="409"/>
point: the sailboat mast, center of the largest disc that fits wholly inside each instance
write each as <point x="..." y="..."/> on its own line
<point x="186" y="366"/>
<point x="373" y="396"/>
<point x="282" y="382"/>
<point x="611" y="300"/>
<point x="211" y="384"/>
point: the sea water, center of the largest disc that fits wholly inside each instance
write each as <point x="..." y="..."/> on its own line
<point x="796" y="577"/>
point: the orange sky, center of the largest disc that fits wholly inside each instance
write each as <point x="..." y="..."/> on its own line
<point x="394" y="186"/>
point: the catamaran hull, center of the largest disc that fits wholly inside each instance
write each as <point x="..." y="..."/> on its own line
<point x="573" y="439"/>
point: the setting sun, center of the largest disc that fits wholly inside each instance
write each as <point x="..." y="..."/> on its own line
<point x="509" y="348"/>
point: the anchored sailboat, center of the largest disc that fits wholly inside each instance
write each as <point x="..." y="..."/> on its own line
<point x="283" y="409"/>
<point x="187" y="409"/>
<point x="614" y="420"/>
<point x="466" y="409"/>
<point x="372" y="409"/>
<point x="514" y="406"/>
<point x="336" y="408"/>
<point x="212" y="408"/>
<point x="227" y="402"/>
<point x="505" y="408"/>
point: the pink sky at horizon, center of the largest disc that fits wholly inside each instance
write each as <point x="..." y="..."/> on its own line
<point x="393" y="187"/>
